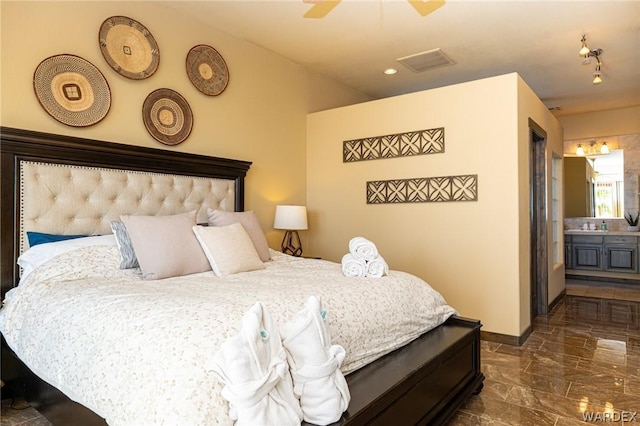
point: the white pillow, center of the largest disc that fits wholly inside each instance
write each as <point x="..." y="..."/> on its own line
<point x="228" y="248"/>
<point x="40" y="254"/>
<point x="250" y="222"/>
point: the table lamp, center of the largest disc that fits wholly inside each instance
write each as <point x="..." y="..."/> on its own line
<point x="291" y="219"/>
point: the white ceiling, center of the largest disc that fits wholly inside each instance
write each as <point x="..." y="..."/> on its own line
<point x="540" y="40"/>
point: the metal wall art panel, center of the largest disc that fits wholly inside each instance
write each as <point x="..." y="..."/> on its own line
<point x="423" y="190"/>
<point x="421" y="142"/>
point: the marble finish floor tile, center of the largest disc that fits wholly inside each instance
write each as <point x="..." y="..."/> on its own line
<point x="604" y="290"/>
<point x="19" y="413"/>
<point x="581" y="360"/>
<point x="493" y="410"/>
<point x="602" y="397"/>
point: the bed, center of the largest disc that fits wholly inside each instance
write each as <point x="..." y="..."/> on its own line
<point x="416" y="377"/>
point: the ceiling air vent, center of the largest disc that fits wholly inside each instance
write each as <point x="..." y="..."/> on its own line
<point x="426" y="60"/>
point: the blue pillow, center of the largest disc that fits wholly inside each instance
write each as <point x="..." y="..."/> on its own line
<point x="36" y="238"/>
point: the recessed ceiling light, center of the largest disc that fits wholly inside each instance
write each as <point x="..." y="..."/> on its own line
<point x="390" y="71"/>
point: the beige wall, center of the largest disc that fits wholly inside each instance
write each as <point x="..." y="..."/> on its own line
<point x="530" y="107"/>
<point x="261" y="116"/>
<point x="623" y="121"/>
<point x="474" y="253"/>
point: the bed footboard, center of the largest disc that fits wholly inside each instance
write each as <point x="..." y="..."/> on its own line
<point x="424" y="382"/>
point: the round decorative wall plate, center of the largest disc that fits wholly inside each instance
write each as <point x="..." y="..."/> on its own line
<point x="128" y="47"/>
<point x="167" y="116"/>
<point x="207" y="70"/>
<point x="72" y="90"/>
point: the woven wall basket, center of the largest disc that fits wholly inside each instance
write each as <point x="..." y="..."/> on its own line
<point x="128" y="47"/>
<point x="207" y="70"/>
<point x="167" y="116"/>
<point x="72" y="90"/>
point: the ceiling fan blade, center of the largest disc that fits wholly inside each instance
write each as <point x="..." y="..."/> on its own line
<point x="321" y="9"/>
<point x="425" y="7"/>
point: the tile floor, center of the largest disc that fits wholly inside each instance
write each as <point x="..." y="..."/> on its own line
<point x="18" y="412"/>
<point x="582" y="359"/>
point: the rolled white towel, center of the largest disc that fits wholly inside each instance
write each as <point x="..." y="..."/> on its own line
<point x="315" y="365"/>
<point x="353" y="267"/>
<point x="377" y="268"/>
<point x="363" y="249"/>
<point x="253" y="367"/>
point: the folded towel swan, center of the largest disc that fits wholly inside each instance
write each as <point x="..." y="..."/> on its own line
<point x="315" y="365"/>
<point x="253" y="367"/>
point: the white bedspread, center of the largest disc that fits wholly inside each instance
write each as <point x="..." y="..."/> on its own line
<point x="139" y="352"/>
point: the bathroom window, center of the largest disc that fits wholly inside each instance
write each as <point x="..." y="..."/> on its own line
<point x="609" y="196"/>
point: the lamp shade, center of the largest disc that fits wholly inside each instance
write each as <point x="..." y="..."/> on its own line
<point x="290" y="217"/>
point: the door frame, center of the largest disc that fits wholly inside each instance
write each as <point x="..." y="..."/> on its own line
<point x="538" y="196"/>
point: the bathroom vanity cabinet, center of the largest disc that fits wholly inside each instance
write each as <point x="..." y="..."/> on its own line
<point x="602" y="254"/>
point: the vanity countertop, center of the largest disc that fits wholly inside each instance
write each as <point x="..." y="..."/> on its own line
<point x="600" y="232"/>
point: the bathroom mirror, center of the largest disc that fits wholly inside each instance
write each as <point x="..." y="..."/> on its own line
<point x="595" y="185"/>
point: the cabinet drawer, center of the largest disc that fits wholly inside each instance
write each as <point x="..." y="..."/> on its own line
<point x="620" y="239"/>
<point x="587" y="239"/>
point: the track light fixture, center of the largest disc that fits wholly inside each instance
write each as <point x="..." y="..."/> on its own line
<point x="597" y="77"/>
<point x="584" y="51"/>
<point x="587" y="54"/>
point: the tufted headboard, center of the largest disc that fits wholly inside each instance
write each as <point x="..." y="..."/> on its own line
<point x="65" y="185"/>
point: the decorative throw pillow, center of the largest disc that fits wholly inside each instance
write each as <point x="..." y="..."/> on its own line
<point x="228" y="248"/>
<point x="165" y="245"/>
<point x="36" y="238"/>
<point x="250" y="222"/>
<point x="127" y="254"/>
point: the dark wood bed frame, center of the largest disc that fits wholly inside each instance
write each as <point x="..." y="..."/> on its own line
<point x="424" y="382"/>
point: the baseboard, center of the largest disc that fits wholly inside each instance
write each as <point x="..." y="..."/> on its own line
<point x="517" y="340"/>
<point x="505" y="338"/>
<point x="558" y="298"/>
<point x="601" y="279"/>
